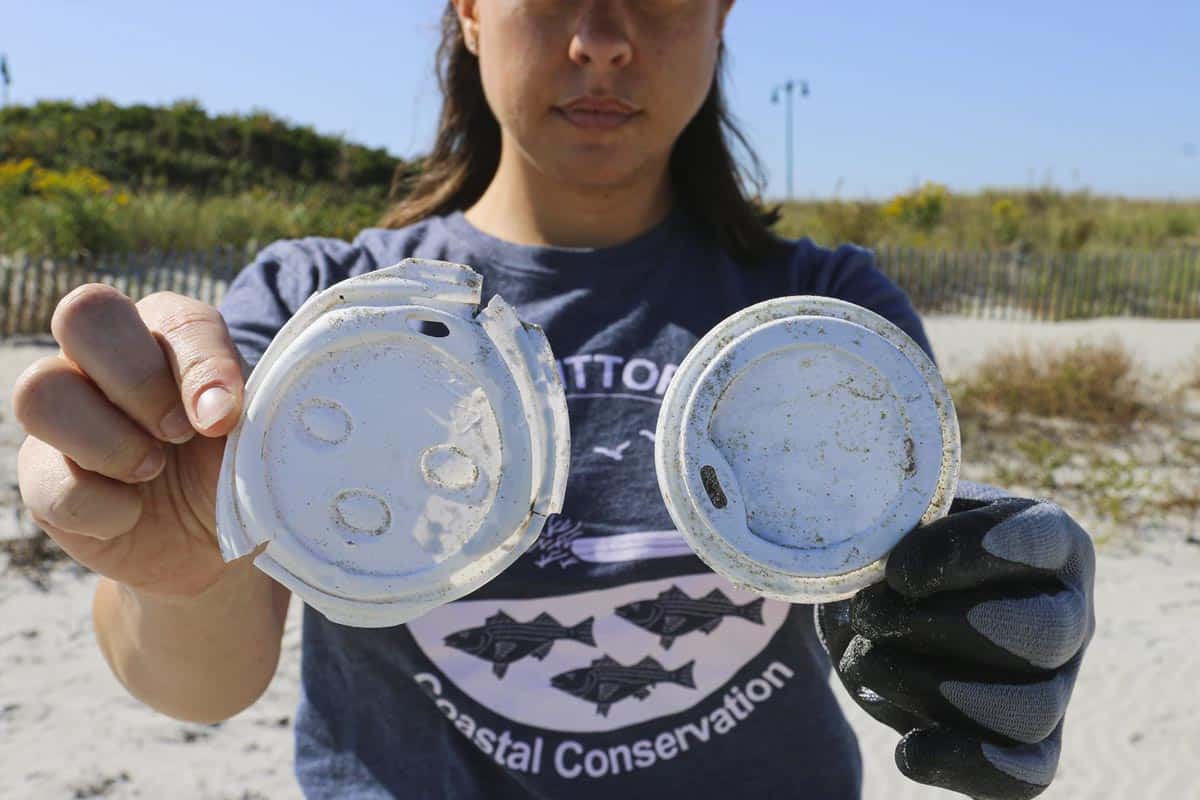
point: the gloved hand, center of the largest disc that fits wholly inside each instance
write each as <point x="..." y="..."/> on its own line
<point x="971" y="646"/>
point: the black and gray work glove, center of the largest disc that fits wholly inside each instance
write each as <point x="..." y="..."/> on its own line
<point x="971" y="646"/>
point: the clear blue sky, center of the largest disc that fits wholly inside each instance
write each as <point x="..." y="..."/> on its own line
<point x="1100" y="94"/>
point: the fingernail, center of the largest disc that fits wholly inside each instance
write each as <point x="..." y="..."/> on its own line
<point x="150" y="465"/>
<point x="213" y="406"/>
<point x="175" y="426"/>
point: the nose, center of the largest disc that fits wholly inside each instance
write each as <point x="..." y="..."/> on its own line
<point x="601" y="37"/>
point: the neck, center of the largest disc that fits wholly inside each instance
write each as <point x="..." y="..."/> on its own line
<point x="525" y="206"/>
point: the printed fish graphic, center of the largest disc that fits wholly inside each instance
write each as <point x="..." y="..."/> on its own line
<point x="673" y="613"/>
<point x="606" y="681"/>
<point x="502" y="640"/>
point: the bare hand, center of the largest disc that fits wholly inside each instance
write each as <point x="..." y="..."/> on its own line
<point x="112" y="467"/>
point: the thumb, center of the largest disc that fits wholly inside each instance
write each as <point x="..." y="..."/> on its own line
<point x="208" y="368"/>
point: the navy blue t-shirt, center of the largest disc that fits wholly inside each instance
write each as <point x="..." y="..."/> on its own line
<point x="608" y="661"/>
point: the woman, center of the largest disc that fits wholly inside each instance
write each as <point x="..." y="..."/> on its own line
<point x="581" y="167"/>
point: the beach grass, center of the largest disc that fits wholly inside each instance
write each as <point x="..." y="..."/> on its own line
<point x="1044" y="219"/>
<point x="1097" y="382"/>
<point x="1082" y="423"/>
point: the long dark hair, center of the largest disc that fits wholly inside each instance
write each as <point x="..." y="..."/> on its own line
<point x="704" y="172"/>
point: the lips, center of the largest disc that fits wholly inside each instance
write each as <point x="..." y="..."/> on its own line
<point x="597" y="113"/>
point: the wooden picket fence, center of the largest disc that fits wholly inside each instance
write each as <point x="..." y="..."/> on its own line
<point x="1058" y="286"/>
<point x="981" y="284"/>
<point x="31" y="287"/>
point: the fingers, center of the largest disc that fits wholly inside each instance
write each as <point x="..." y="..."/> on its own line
<point x="1023" y="630"/>
<point x="58" y="405"/>
<point x="203" y="359"/>
<point x="950" y="759"/>
<point x="1004" y="542"/>
<point x="167" y="362"/>
<point x="833" y="627"/>
<point x="100" y="330"/>
<point x="61" y="495"/>
<point x="835" y="634"/>
<point x="992" y="704"/>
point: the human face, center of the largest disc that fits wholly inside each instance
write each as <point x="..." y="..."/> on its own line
<point x="650" y="61"/>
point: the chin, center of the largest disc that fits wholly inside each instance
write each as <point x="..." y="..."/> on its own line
<point x="597" y="173"/>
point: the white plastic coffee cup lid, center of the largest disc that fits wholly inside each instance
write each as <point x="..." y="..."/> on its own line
<point x="799" y="440"/>
<point x="399" y="446"/>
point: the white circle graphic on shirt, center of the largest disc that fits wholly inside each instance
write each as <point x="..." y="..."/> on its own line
<point x="650" y="649"/>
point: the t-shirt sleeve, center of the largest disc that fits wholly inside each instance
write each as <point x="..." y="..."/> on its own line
<point x="272" y="287"/>
<point x="851" y="273"/>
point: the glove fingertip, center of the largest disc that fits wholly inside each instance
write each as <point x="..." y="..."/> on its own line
<point x="941" y="757"/>
<point x="913" y="758"/>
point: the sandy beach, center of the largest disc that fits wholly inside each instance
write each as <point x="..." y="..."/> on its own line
<point x="69" y="730"/>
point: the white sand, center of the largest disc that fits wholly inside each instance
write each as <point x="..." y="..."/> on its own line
<point x="68" y="729"/>
<point x="1160" y="346"/>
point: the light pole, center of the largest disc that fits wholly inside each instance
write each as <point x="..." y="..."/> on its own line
<point x="788" y="86"/>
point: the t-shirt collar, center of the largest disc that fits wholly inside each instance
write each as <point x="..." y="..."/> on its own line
<point x="572" y="265"/>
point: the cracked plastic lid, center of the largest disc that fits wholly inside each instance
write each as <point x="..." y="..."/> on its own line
<point x="799" y="440"/>
<point x="399" y="447"/>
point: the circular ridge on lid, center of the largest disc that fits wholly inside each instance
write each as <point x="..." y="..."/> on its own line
<point x="399" y="447"/>
<point x="799" y="440"/>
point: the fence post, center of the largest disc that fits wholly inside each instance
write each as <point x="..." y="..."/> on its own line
<point x="35" y="291"/>
<point x="9" y="308"/>
<point x="1157" y="279"/>
<point x="1076" y="267"/>
<point x="1066" y="284"/>
<point x="905" y="278"/>
<point x="210" y="279"/>
<point x="1055" y="287"/>
<point x="195" y="274"/>
<point x="1099" y="264"/>
<point x="183" y="278"/>
<point x="1043" y="281"/>
<point x="1085" y="266"/>
<point x="151" y="274"/>
<point x="170" y="276"/>
<point x="123" y="272"/>
<point x="1126" y="266"/>
<point x="1162" y="305"/>
<point x="1192" y="267"/>
<point x="10" y="264"/>
<point x="45" y="272"/>
<point x="204" y="276"/>
<point x="1070" y="292"/>
<point x="1091" y="292"/>
<point x="949" y="285"/>
<point x="988" y="290"/>
<point x="1055" y="275"/>
<point x="1030" y="286"/>
<point x="137" y="274"/>
<point x="921" y="259"/>
<point x="962" y="267"/>
<point x="233" y="265"/>
<point x="1007" y="289"/>
<point x="974" y="282"/>
<point x="966" y="269"/>
<point x="1104" y="286"/>
<point x="937" y="282"/>
<point x="1174" y="299"/>
<point x="158" y="276"/>
<point x="1045" y="286"/>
